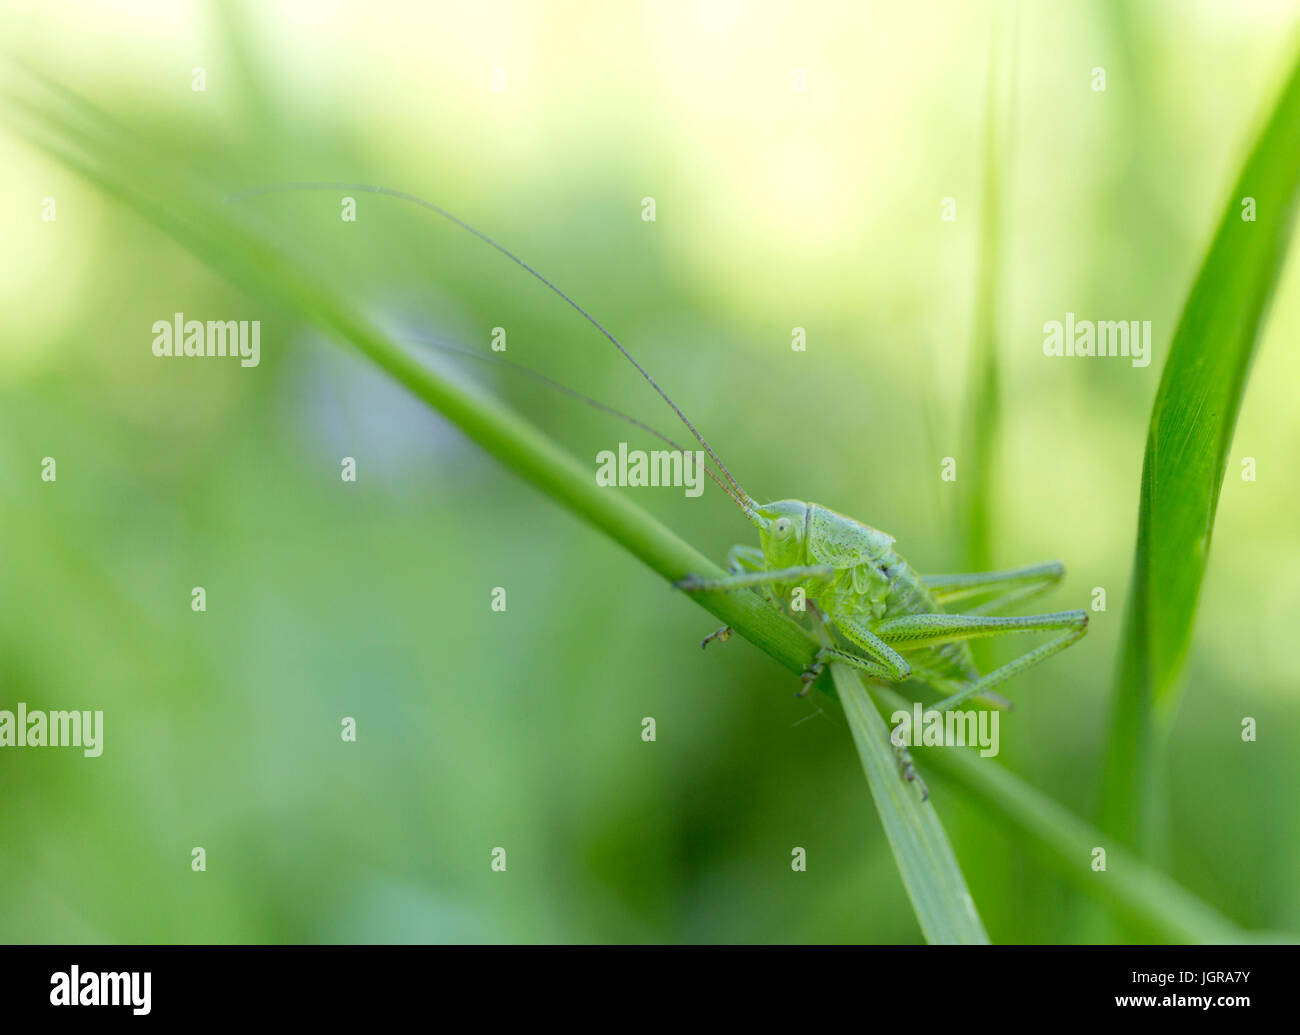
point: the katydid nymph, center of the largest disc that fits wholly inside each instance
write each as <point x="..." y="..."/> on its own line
<point x="870" y="609"/>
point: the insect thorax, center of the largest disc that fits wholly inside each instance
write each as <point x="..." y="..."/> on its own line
<point x="871" y="578"/>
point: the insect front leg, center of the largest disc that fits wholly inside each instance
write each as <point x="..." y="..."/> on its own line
<point x="927" y="630"/>
<point x="749" y="580"/>
<point x="740" y="559"/>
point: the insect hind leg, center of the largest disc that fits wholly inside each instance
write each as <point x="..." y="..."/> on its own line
<point x="928" y="629"/>
<point x="994" y="589"/>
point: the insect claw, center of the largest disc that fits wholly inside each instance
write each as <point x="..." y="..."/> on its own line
<point x="906" y="766"/>
<point x="809" y="677"/>
<point x="722" y="636"/>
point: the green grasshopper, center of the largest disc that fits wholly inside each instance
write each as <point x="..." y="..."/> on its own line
<point x="883" y="617"/>
<point x="893" y="620"/>
<point x="897" y="619"/>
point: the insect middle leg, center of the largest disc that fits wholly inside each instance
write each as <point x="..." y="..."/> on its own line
<point x="892" y="667"/>
<point x="747" y="572"/>
<point x="927" y="630"/>
<point x="877" y="659"/>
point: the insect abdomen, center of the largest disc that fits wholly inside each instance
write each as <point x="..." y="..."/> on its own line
<point x="908" y="595"/>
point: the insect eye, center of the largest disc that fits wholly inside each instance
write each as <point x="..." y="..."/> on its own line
<point x="782" y="527"/>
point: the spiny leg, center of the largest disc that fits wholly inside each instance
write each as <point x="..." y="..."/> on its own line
<point x="878" y="669"/>
<point x="928" y="630"/>
<point x="907" y="632"/>
<point x="747" y="580"/>
<point x="863" y="637"/>
<point x="897" y="670"/>
<point x="740" y="558"/>
<point x="1004" y="587"/>
<point x="906" y="765"/>
<point x="894" y="665"/>
<point x="877" y="659"/>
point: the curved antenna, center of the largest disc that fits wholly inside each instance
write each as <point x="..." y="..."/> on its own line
<point x="572" y="393"/>
<point x="277" y="188"/>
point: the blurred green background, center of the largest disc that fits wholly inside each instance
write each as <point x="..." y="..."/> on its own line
<point x="775" y="209"/>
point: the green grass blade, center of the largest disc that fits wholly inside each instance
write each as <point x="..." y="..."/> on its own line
<point x="940" y="898"/>
<point x="1131" y="888"/>
<point x="1192" y="422"/>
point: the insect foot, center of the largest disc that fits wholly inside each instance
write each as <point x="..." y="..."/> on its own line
<point x="722" y="636"/>
<point x="811" y="673"/>
<point x="905" y="764"/>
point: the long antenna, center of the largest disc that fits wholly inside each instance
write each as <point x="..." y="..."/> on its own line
<point x="572" y="393"/>
<point x="744" y="500"/>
